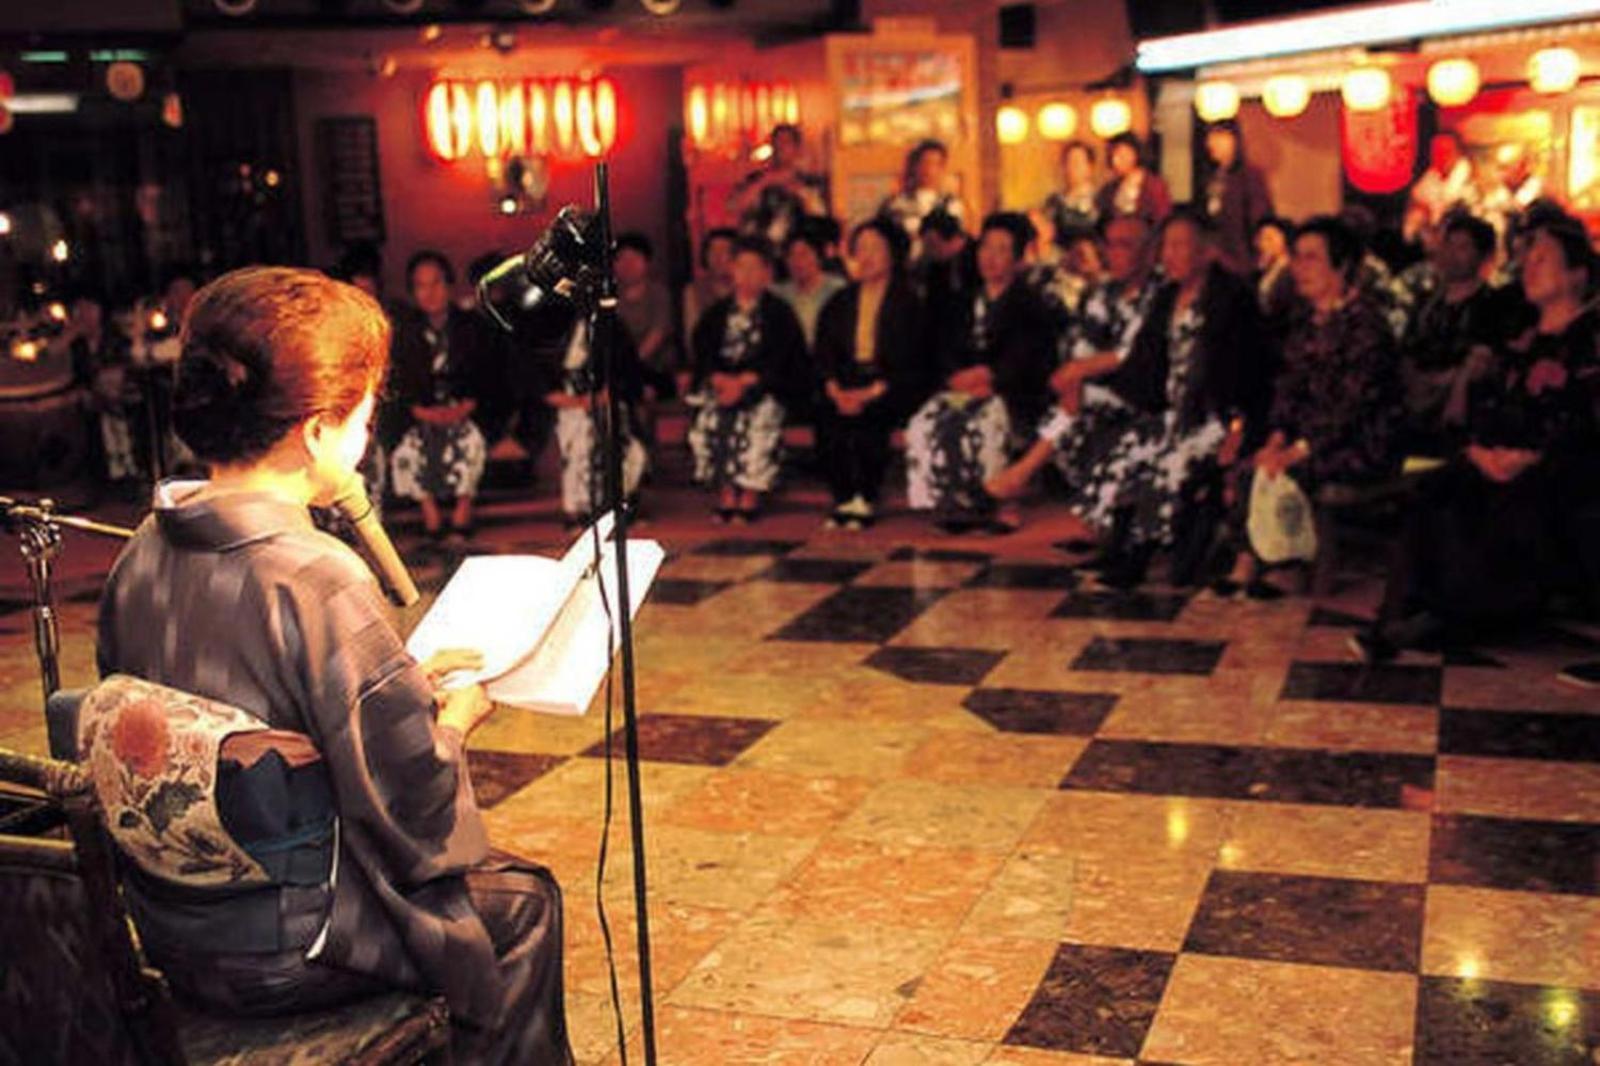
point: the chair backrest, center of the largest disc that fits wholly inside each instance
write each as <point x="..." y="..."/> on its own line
<point x="72" y="985"/>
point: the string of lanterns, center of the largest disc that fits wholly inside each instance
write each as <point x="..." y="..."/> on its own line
<point x="730" y="116"/>
<point x="1451" y="82"/>
<point x="1058" y="121"/>
<point x="563" y="117"/>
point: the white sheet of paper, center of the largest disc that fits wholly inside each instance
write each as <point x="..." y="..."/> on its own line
<point x="496" y="604"/>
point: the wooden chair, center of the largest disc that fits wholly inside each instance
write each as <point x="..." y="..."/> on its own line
<point x="74" y="987"/>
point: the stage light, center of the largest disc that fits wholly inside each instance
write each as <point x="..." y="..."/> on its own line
<point x="1453" y="82"/>
<point x="125" y="81"/>
<point x="509" y="205"/>
<point x="536" y="7"/>
<point x="1109" y="117"/>
<point x="403" y="7"/>
<point x="236" y="8"/>
<point x="1286" y="95"/>
<point x="5" y="224"/>
<point x="431" y="32"/>
<point x="57" y="311"/>
<point x="158" y="320"/>
<point x="172" y="111"/>
<point x="60" y="251"/>
<point x="1367" y="89"/>
<point x="1554" y="70"/>
<point x="661" y="7"/>
<point x="1057" y="122"/>
<point x="25" y="351"/>
<point x="1216" y="101"/>
<point x="1011" y="124"/>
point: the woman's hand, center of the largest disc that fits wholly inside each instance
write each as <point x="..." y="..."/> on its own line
<point x="464" y="709"/>
<point x="446" y="661"/>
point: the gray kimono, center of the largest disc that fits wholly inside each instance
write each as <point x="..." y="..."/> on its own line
<point x="378" y="850"/>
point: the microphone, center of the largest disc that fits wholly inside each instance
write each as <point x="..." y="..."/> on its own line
<point x="352" y="503"/>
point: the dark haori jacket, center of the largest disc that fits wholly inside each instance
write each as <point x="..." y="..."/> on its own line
<point x="1018" y="346"/>
<point x="779" y="356"/>
<point x="237" y="598"/>
<point x="1543" y="395"/>
<point x="547" y="370"/>
<point x="1339" y="390"/>
<point x="477" y="369"/>
<point x="898" y="357"/>
<point x="1232" y="365"/>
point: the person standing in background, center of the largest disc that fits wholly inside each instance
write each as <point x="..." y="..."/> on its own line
<point x="1237" y="199"/>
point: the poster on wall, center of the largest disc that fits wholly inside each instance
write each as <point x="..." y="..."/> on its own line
<point x="352" y="194"/>
<point x="899" y="96"/>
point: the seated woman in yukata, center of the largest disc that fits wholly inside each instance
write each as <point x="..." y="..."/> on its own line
<point x="749" y="362"/>
<point x="992" y="364"/>
<point x="1135" y="442"/>
<point x="342" y="785"/>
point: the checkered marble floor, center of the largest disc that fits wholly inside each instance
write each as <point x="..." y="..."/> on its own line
<point x="912" y="804"/>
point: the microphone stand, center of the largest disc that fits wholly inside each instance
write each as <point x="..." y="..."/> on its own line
<point x="604" y="340"/>
<point x="38" y="527"/>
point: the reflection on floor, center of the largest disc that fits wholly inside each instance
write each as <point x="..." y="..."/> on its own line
<point x="915" y="800"/>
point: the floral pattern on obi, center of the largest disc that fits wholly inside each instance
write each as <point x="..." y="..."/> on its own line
<point x="152" y="752"/>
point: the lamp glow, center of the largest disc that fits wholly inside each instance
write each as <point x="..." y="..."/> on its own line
<point x="699" y="116"/>
<point x="1057" y="122"/>
<point x="60" y="252"/>
<point x="1109" y="117"/>
<point x="1286" y="95"/>
<point x="1367" y="89"/>
<point x="1216" y="101"/>
<point x="1554" y="70"/>
<point x="1453" y="82"/>
<point x="1011" y="125"/>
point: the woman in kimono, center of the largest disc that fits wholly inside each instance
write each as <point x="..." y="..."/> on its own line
<point x="1144" y="431"/>
<point x="749" y="353"/>
<point x="869" y="343"/>
<point x="924" y="189"/>
<point x="350" y="785"/>
<point x="448" y="369"/>
<point x="1133" y="188"/>
<point x="1509" y="521"/>
<point x="574" y="388"/>
<point x="993" y="365"/>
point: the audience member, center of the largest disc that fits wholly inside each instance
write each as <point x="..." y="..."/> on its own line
<point x="1070" y="212"/>
<point x="809" y="287"/>
<point x="749" y="357"/>
<point x="769" y="201"/>
<point x="1132" y="189"/>
<point x="1237" y="199"/>
<point x="924" y="188"/>
<point x="869" y="349"/>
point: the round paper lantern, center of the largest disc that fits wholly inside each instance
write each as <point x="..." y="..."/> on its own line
<point x="1057" y="122"/>
<point x="1216" y="101"/>
<point x="1011" y="125"/>
<point x="1367" y="89"/>
<point x="1554" y="70"/>
<point x="1109" y="117"/>
<point x="1453" y="82"/>
<point x="699" y="115"/>
<point x="447" y="120"/>
<point x="488" y="111"/>
<point x="1286" y="95"/>
<point x="125" y="80"/>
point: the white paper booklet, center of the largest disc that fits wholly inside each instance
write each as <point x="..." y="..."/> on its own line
<point x="540" y="623"/>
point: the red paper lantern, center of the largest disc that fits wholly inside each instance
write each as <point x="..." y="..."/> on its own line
<point x="1379" y="148"/>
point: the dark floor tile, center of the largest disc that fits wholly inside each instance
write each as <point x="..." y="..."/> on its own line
<point x="816" y="571"/>
<point x="1122" y="606"/>
<point x="1094" y="1001"/>
<point x="499" y="774"/>
<point x="1515" y="854"/>
<point x="1283" y="775"/>
<point x="1360" y="683"/>
<point x="1519" y="735"/>
<point x="1327" y="616"/>
<point x="1318" y="921"/>
<point x="1013" y="710"/>
<point x="1024" y="576"/>
<point x="853" y="614"/>
<point x="936" y="666"/>
<point x="684" y="592"/>
<point x="688" y="738"/>
<point x="1474" y="1021"/>
<point x="740" y="546"/>
<point x="1471" y="657"/>
<point x="938" y="555"/>
<point x="1143" y="655"/>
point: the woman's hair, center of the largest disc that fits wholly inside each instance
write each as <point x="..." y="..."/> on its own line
<point x="1013" y="224"/>
<point x="437" y="258"/>
<point x="1345" y="248"/>
<point x="1078" y="146"/>
<point x="1277" y="222"/>
<point x="1479" y="232"/>
<point x="1573" y="240"/>
<point x="1230" y="125"/>
<point x="721" y="233"/>
<point x="638" y="242"/>
<point x="264" y="349"/>
<point x="893" y="235"/>
<point x="1130" y="139"/>
<point x="908" y="176"/>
